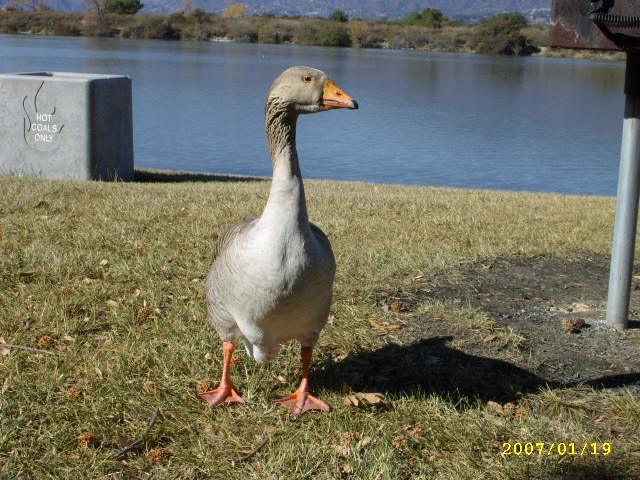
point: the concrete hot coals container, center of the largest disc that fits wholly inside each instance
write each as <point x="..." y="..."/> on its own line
<point x="66" y="125"/>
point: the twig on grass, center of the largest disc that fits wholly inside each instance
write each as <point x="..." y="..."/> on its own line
<point x="21" y="347"/>
<point x="141" y="439"/>
<point x="251" y="454"/>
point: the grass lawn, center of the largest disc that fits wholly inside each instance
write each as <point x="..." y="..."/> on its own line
<point x="105" y="283"/>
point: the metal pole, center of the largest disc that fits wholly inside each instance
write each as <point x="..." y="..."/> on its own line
<point x="624" y="234"/>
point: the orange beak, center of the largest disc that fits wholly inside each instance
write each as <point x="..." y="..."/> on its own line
<point x="334" y="97"/>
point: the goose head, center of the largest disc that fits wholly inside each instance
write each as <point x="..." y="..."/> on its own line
<point x="307" y="90"/>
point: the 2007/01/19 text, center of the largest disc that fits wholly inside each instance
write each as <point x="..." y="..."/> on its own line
<point x="542" y="448"/>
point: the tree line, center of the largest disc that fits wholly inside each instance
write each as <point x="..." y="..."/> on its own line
<point x="429" y="29"/>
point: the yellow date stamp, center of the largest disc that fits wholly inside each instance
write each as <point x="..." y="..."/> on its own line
<point x="561" y="448"/>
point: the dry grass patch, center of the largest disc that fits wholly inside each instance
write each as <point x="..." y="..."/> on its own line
<point x="109" y="279"/>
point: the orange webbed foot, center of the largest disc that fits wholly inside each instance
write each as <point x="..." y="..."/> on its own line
<point x="301" y="402"/>
<point x="222" y="394"/>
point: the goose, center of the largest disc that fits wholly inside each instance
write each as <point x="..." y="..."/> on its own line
<point x="272" y="277"/>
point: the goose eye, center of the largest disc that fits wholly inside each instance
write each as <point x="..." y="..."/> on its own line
<point x="308" y="79"/>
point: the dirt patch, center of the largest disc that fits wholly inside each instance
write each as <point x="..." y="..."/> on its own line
<point x="549" y="329"/>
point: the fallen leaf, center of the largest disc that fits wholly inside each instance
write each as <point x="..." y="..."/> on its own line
<point x="157" y="454"/>
<point x="495" y="407"/>
<point x="86" y="439"/>
<point x="366" y="399"/>
<point x="433" y="458"/>
<point x="3" y="351"/>
<point x="104" y="262"/>
<point x="489" y="338"/>
<point x="92" y="274"/>
<point x="375" y="324"/>
<point x="346" y="470"/>
<point x="385" y="326"/>
<point x="364" y="441"/>
<point x="580" y="323"/>
<point x="73" y="392"/>
<point x="29" y="273"/>
<point x="414" y="431"/>
<point x="399" y="442"/>
<point x="579" y="307"/>
<point x="571" y="326"/>
<point x="204" y="386"/>
<point x="45" y="341"/>
<point x="113" y="303"/>
<point x="150" y="387"/>
<point x="346" y="388"/>
<point x="351" y="401"/>
<point x="510" y="407"/>
<point x="68" y="338"/>
<point x="396" y="307"/>
<point x="98" y="372"/>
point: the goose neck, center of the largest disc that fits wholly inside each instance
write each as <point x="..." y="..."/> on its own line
<point x="286" y="198"/>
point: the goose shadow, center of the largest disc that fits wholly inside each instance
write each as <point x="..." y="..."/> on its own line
<point x="431" y="366"/>
<point x="168" y="176"/>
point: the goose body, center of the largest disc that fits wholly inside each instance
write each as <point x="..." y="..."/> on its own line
<point x="272" y="277"/>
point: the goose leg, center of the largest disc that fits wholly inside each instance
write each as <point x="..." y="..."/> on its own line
<point x="226" y="392"/>
<point x="301" y="400"/>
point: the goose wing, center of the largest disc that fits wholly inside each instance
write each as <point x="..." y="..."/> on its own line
<point x="232" y="233"/>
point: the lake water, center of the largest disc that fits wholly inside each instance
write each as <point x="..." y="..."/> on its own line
<point x="472" y="121"/>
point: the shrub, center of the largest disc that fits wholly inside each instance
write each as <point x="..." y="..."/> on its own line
<point x="123" y="7"/>
<point x="197" y="32"/>
<point x="429" y="17"/>
<point x="13" y="22"/>
<point x="501" y="35"/>
<point x="510" y="44"/>
<point x="67" y="27"/>
<point x="339" y="16"/>
<point x="272" y="33"/>
<point x="333" y="35"/>
<point x="361" y="35"/>
<point x="243" y="32"/>
<point x="151" y="26"/>
<point x="306" y="33"/>
<point x="503" y="24"/>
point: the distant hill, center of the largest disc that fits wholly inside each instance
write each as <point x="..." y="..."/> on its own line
<point x="368" y="9"/>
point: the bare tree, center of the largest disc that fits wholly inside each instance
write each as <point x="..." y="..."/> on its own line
<point x="99" y="6"/>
